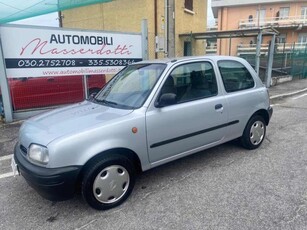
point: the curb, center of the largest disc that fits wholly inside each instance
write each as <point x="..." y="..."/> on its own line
<point x="287" y="94"/>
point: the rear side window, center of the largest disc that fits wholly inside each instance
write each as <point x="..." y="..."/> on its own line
<point x="192" y="81"/>
<point x="235" y="76"/>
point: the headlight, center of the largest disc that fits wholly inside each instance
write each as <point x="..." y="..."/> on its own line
<point x="38" y="154"/>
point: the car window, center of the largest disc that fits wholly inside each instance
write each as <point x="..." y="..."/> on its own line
<point x="235" y="76"/>
<point x="191" y="81"/>
<point x="130" y="88"/>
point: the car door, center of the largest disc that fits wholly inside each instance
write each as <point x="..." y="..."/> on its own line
<point x="197" y="120"/>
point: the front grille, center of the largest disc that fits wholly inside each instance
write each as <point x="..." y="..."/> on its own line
<point x="23" y="149"/>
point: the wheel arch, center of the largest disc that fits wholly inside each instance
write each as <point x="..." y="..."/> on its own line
<point x="131" y="155"/>
<point x="263" y="113"/>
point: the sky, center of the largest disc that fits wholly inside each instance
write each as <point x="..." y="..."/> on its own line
<point x="52" y="19"/>
<point x="210" y="21"/>
<point x="43" y="20"/>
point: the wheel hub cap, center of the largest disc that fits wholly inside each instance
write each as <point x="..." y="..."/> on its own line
<point x="111" y="184"/>
<point x="257" y="133"/>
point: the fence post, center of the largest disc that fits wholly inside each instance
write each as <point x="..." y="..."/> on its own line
<point x="284" y="57"/>
<point x="6" y="97"/>
<point x="258" y="52"/>
<point x="268" y="72"/>
<point x="292" y="59"/>
<point x="229" y="51"/>
<point x="304" y="63"/>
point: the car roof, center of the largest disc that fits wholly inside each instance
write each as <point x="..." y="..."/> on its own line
<point x="207" y="57"/>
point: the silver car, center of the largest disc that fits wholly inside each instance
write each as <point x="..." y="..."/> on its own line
<point x="150" y="113"/>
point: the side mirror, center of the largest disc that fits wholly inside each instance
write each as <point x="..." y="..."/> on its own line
<point x="92" y="95"/>
<point x="166" y="99"/>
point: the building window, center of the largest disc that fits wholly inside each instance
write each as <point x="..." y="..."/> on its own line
<point x="284" y="12"/>
<point x="188" y="4"/>
<point x="250" y="18"/>
<point x="187" y="49"/>
<point x="261" y="17"/>
<point x="281" y="38"/>
<point x="302" y="38"/>
<point x="304" y="12"/>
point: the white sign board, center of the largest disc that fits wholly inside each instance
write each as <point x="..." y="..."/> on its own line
<point x="39" y="51"/>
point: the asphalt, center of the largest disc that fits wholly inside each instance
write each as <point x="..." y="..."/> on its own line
<point x="9" y="132"/>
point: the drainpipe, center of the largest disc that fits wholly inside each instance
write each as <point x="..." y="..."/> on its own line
<point x="166" y="28"/>
<point x="156" y="25"/>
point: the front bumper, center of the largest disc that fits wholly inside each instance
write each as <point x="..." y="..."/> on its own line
<point x="55" y="184"/>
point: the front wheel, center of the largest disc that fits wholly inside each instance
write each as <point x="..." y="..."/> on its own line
<point x="108" y="182"/>
<point x="254" y="133"/>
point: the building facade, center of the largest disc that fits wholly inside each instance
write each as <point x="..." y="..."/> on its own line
<point x="164" y="23"/>
<point x="287" y="17"/>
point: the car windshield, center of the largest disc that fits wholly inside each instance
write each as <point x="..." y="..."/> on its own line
<point x="130" y="88"/>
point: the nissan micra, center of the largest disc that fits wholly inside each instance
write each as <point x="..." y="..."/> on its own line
<point x="150" y="113"/>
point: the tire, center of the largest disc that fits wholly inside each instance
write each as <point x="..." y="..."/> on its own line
<point x="254" y="133"/>
<point x="108" y="182"/>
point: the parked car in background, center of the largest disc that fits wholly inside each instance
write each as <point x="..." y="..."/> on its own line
<point x="37" y="92"/>
<point x="150" y="113"/>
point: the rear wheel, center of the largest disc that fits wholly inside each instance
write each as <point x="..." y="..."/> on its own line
<point x="108" y="182"/>
<point x="254" y="133"/>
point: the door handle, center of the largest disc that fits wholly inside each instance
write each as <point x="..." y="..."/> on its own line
<point x="219" y="108"/>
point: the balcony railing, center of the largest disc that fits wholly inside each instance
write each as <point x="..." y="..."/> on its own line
<point x="280" y="48"/>
<point x="212" y="28"/>
<point x="273" y="21"/>
<point x="211" y="49"/>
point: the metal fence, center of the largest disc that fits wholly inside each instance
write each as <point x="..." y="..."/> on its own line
<point x="289" y="59"/>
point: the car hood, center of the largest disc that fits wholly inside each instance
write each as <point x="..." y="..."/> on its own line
<point x="44" y="128"/>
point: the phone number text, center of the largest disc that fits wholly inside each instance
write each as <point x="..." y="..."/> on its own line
<point x="51" y="63"/>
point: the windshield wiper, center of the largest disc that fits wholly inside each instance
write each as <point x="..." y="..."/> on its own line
<point x="108" y="102"/>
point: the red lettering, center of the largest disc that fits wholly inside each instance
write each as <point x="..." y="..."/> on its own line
<point x="37" y="46"/>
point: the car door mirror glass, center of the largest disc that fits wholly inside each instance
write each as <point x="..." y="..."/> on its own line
<point x="166" y="99"/>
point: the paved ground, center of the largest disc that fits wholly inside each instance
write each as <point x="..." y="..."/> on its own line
<point x="8" y="137"/>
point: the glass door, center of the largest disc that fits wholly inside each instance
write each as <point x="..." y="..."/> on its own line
<point x="304" y="13"/>
<point x="261" y="17"/>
